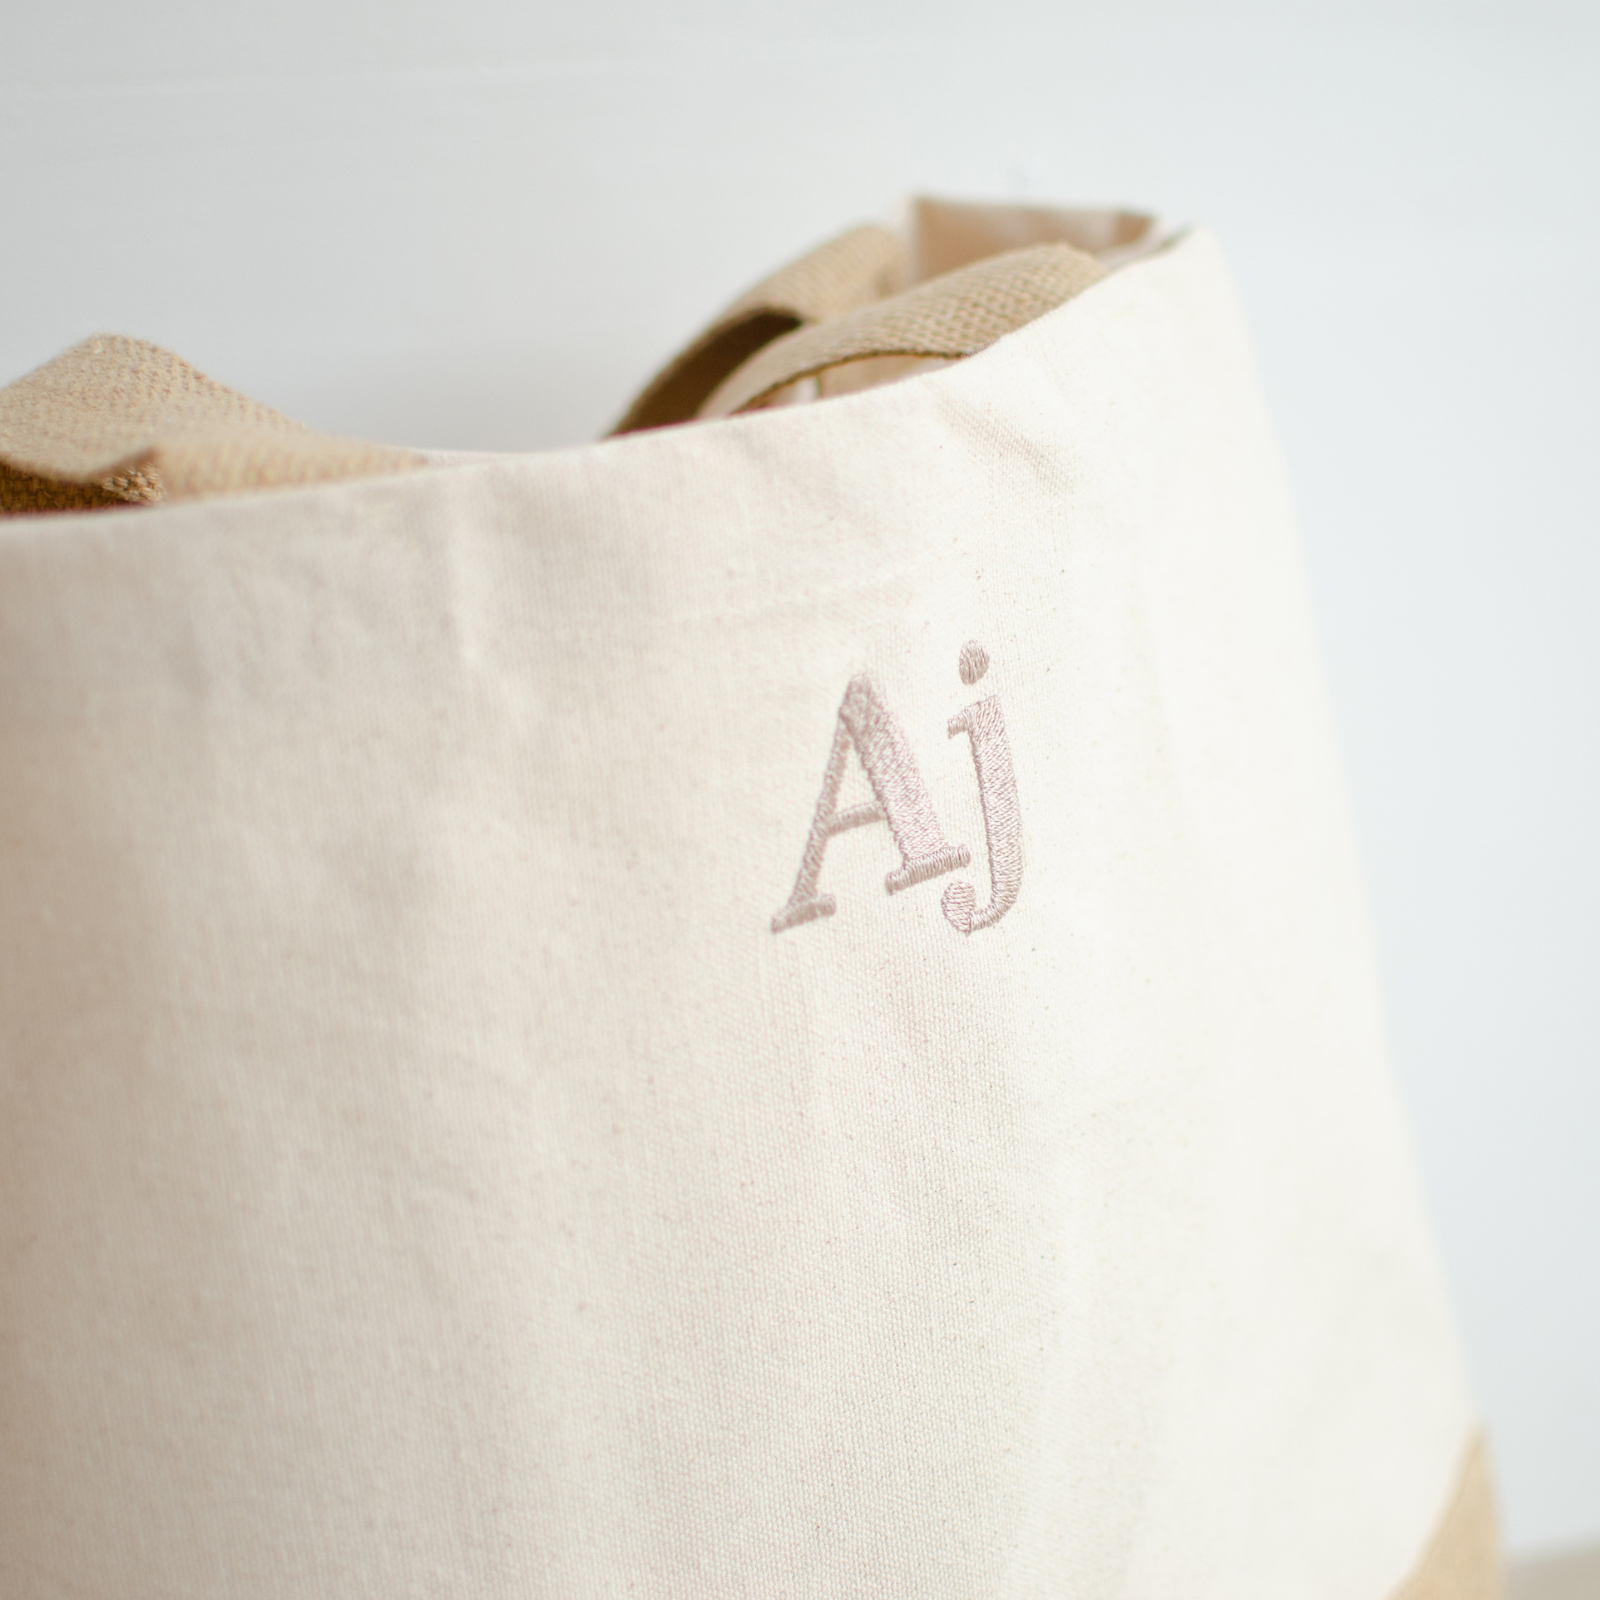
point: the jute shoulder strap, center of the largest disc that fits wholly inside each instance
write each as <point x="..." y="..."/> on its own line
<point x="953" y="316"/>
<point x="858" y="267"/>
<point x="114" y="420"/>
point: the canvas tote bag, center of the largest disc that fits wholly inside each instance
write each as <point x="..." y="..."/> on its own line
<point x="776" y="1006"/>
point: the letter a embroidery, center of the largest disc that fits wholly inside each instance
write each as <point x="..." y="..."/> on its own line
<point x="901" y="801"/>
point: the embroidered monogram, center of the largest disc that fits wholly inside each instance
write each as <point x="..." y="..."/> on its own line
<point x="901" y="800"/>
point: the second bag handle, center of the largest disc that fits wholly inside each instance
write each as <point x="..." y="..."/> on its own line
<point x="947" y="318"/>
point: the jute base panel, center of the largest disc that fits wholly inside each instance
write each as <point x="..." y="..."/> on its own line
<point x="1462" y="1561"/>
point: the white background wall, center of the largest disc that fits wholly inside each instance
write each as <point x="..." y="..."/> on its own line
<point x="480" y="222"/>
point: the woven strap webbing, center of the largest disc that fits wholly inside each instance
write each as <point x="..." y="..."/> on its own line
<point x="114" y="421"/>
<point x="853" y="270"/>
<point x="949" y="317"/>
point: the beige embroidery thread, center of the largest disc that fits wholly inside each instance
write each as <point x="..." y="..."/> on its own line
<point x="972" y="663"/>
<point x="901" y="800"/>
<point x="985" y="728"/>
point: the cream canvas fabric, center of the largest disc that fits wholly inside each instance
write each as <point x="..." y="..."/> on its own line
<point x="473" y="1121"/>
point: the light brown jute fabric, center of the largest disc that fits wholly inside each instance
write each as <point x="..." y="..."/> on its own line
<point x="116" y="420"/>
<point x="952" y="316"/>
<point x="1462" y="1561"/>
<point x="858" y="267"/>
